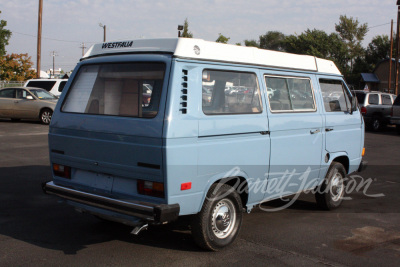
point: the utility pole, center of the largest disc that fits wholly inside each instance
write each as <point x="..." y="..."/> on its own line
<point x="39" y="39"/>
<point x="104" y="29"/>
<point x="397" y="49"/>
<point x="83" y="49"/>
<point x="53" y="54"/>
<point x="390" y="58"/>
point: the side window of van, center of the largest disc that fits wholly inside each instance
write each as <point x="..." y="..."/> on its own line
<point x="47" y="85"/>
<point x="127" y="90"/>
<point x="336" y="98"/>
<point x="61" y="86"/>
<point x="289" y="94"/>
<point x="228" y="92"/>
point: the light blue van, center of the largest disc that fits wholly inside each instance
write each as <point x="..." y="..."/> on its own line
<point x="146" y="131"/>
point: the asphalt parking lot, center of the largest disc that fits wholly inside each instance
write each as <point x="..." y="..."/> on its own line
<point x="37" y="229"/>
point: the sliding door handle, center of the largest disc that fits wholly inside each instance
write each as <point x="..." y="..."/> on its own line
<point x="328" y="129"/>
<point x="314" y="131"/>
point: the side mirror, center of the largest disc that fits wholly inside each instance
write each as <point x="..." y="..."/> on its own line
<point x="29" y="97"/>
<point x="353" y="101"/>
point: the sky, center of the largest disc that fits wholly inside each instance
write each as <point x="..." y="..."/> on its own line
<point x="69" y="23"/>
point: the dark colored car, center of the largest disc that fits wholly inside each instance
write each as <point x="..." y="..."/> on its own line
<point x="376" y="108"/>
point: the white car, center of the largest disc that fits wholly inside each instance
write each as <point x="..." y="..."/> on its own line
<point x="54" y="86"/>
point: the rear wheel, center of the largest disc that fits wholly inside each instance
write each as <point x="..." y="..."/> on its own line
<point x="398" y="129"/>
<point x="45" y="116"/>
<point x="376" y="124"/>
<point x="331" y="192"/>
<point x="218" y="223"/>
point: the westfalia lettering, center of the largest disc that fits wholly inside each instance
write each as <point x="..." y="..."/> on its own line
<point x="117" y="45"/>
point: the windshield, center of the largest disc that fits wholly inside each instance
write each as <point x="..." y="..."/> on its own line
<point x="124" y="89"/>
<point x="42" y="94"/>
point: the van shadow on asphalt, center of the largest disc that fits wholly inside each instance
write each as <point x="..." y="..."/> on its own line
<point x="29" y="215"/>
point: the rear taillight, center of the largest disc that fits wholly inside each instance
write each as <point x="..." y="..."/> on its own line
<point x="363" y="110"/>
<point x="62" y="171"/>
<point x="148" y="188"/>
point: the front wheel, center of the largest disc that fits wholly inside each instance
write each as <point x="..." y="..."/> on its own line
<point x="330" y="193"/>
<point x="218" y="223"/>
<point x="45" y="116"/>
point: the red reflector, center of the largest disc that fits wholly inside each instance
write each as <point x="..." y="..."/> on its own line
<point x="186" y="186"/>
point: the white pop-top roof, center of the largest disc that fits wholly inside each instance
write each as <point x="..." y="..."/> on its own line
<point x="205" y="50"/>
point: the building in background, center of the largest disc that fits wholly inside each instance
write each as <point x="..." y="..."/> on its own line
<point x="378" y="79"/>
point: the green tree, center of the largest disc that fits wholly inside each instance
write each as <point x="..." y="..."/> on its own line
<point x="186" y="32"/>
<point x="252" y="43"/>
<point x="16" y="67"/>
<point x="352" y="33"/>
<point x="273" y="40"/>
<point x="222" y="39"/>
<point x="4" y="37"/>
<point x="377" y="50"/>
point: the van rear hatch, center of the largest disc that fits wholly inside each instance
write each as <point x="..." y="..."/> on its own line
<point x="107" y="128"/>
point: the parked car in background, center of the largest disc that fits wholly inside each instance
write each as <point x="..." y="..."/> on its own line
<point x="376" y="108"/>
<point x="27" y="103"/>
<point x="395" y="118"/>
<point x="54" y="86"/>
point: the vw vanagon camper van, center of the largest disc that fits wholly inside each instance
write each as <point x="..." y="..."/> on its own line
<point x="146" y="131"/>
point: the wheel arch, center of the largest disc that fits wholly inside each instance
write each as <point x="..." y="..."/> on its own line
<point x="344" y="160"/>
<point x="44" y="108"/>
<point x="238" y="181"/>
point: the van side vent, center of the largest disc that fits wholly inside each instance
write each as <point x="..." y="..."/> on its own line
<point x="184" y="92"/>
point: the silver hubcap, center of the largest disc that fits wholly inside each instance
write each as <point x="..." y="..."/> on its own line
<point x="223" y="218"/>
<point x="46" y="117"/>
<point x="337" y="187"/>
<point x="376" y="124"/>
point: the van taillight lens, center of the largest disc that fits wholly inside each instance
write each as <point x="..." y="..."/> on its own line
<point x="148" y="188"/>
<point x="364" y="110"/>
<point x="62" y="171"/>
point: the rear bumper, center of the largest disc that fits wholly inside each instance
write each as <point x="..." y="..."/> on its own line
<point x="395" y="121"/>
<point x="154" y="213"/>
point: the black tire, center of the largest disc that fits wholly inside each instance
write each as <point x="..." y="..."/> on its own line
<point x="218" y="223"/>
<point x="331" y="192"/>
<point x="376" y="124"/>
<point x="398" y="129"/>
<point x="45" y="116"/>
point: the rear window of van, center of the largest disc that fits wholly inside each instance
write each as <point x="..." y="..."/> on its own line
<point x="127" y="90"/>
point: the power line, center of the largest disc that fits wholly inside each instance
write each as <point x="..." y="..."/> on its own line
<point x="379" y="25"/>
<point x="58" y="40"/>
